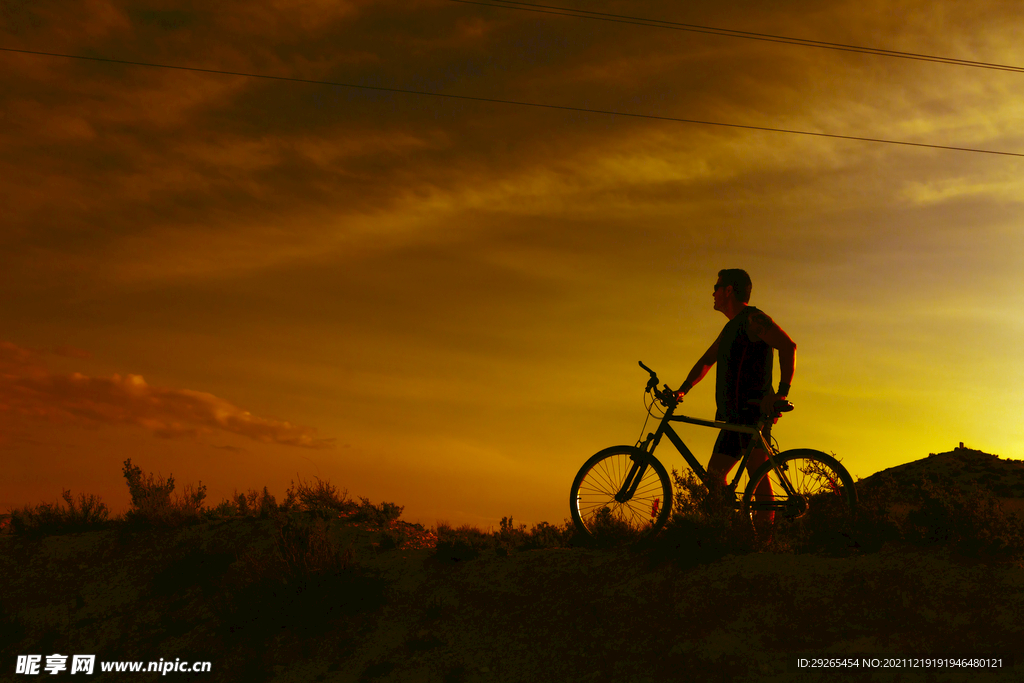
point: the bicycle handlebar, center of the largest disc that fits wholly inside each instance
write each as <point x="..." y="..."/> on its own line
<point x="672" y="398"/>
<point x="780" y="406"/>
<point x="652" y="383"/>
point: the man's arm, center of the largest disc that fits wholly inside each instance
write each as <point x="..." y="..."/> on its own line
<point x="765" y="329"/>
<point x="701" y="368"/>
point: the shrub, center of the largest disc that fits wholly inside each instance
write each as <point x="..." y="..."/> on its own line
<point x="320" y="498"/>
<point x="225" y="509"/>
<point x="467" y="541"/>
<point x="508" y="536"/>
<point x="376" y="514"/>
<point x="544" y="535"/>
<point x="607" y="530"/>
<point x="147" y="490"/>
<point x="463" y="543"/>
<point x="152" y="504"/>
<point x="53" y="518"/>
<point x="253" y="503"/>
<point x="704" y="527"/>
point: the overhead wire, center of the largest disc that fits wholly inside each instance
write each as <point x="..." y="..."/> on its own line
<point x="519" y="103"/>
<point x="733" y="33"/>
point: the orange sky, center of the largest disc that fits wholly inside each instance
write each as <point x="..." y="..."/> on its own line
<point x="442" y="303"/>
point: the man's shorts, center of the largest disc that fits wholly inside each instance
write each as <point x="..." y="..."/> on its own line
<point x="734" y="444"/>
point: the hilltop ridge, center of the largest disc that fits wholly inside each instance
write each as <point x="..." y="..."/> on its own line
<point x="964" y="466"/>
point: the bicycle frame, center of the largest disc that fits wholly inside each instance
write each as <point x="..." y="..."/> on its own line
<point x="636" y="472"/>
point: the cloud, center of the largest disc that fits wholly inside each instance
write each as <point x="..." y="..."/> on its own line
<point x="129" y="175"/>
<point x="28" y="389"/>
<point x="1005" y="189"/>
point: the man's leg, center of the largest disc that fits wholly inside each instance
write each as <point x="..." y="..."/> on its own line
<point x="763" y="492"/>
<point x="718" y="478"/>
<point x="719" y="467"/>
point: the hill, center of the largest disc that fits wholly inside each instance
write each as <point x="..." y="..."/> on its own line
<point x="964" y="466"/>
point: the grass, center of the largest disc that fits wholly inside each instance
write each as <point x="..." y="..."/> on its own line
<point x="156" y="504"/>
<point x="256" y="581"/>
<point x="931" y="510"/>
<point x="465" y="542"/>
<point x="305" y="579"/>
<point x="47" y="519"/>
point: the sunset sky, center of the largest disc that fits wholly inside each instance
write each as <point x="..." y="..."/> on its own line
<point x="442" y="302"/>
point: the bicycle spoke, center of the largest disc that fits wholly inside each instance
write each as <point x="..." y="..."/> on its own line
<point x="601" y="481"/>
<point x="818" y="481"/>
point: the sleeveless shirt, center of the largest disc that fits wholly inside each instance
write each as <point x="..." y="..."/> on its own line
<point x="744" y="370"/>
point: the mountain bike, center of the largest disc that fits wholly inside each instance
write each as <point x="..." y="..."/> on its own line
<point x="627" y="487"/>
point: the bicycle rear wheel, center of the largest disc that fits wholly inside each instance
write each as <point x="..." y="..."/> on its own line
<point x="597" y="503"/>
<point x="825" y="496"/>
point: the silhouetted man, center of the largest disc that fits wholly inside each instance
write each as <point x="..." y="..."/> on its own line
<point x="744" y="354"/>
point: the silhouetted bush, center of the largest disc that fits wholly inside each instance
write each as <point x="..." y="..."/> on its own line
<point x="319" y="498"/>
<point x="544" y="535"/>
<point x="48" y="519"/>
<point x="376" y="514"/>
<point x="253" y="503"/>
<point x="467" y="541"/>
<point x="463" y="543"/>
<point x="607" y="530"/>
<point x="704" y="527"/>
<point x="152" y="504"/>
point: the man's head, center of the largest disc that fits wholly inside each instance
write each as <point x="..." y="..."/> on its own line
<point x="738" y="280"/>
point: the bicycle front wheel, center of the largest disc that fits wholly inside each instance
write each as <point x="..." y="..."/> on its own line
<point x="600" y="500"/>
<point x="823" y="489"/>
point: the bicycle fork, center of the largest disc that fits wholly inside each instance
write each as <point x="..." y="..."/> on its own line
<point x="632" y="480"/>
<point x="635" y="474"/>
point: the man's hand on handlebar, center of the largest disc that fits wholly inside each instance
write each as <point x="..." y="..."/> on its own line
<point x="768" y="403"/>
<point x="667" y="397"/>
<point x="774" y="405"/>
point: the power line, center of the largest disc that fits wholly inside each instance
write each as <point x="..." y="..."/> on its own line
<point x="515" y="102"/>
<point x="696" y="28"/>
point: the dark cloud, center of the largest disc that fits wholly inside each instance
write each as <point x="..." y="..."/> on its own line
<point x="132" y="173"/>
